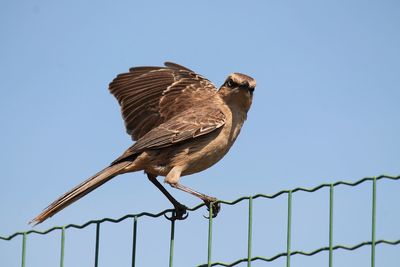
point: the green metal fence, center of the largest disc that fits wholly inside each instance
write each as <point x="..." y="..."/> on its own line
<point x="330" y="248"/>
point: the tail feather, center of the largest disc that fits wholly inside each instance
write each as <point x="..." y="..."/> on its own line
<point x="80" y="190"/>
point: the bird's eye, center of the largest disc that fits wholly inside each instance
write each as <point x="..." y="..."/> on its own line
<point x="230" y="83"/>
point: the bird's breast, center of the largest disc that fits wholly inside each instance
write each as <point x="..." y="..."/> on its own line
<point x="215" y="145"/>
<point x="199" y="153"/>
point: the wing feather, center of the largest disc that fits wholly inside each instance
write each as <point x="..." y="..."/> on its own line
<point x="150" y="96"/>
<point x="188" y="125"/>
<point x="176" y="66"/>
<point x="194" y="123"/>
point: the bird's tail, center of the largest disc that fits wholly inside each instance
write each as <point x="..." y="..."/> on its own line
<point x="80" y="190"/>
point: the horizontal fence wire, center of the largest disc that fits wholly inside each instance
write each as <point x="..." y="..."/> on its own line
<point x="284" y="254"/>
<point x="249" y="259"/>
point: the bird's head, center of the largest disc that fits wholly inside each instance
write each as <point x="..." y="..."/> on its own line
<point x="238" y="90"/>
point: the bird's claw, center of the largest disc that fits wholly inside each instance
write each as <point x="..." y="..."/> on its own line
<point x="180" y="213"/>
<point x="216" y="207"/>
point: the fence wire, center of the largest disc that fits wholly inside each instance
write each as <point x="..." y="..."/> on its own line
<point x="250" y="258"/>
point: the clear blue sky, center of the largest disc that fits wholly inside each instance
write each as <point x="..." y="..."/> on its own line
<point x="326" y="108"/>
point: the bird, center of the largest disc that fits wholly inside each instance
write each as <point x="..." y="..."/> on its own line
<point x="182" y="124"/>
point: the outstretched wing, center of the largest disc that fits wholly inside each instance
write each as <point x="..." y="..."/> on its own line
<point x="150" y="96"/>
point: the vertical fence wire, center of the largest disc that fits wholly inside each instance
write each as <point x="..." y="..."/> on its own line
<point x="209" y="246"/>
<point x="62" y="246"/>
<point x="331" y="225"/>
<point x="96" y="253"/>
<point x="134" y="237"/>
<point x="373" y="222"/>
<point x="250" y="232"/>
<point x="289" y="229"/>
<point x="23" y="250"/>
<point x="171" y="244"/>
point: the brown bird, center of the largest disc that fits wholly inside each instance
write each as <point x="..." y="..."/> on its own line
<point x="181" y="124"/>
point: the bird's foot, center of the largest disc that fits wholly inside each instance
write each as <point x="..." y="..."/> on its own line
<point x="180" y="213"/>
<point x="216" y="207"/>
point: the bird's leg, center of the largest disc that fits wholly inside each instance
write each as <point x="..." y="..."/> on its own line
<point x="207" y="199"/>
<point x="172" y="179"/>
<point x="180" y="210"/>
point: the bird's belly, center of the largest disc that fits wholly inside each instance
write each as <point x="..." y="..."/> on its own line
<point x="203" y="157"/>
<point x="200" y="163"/>
<point x="194" y="160"/>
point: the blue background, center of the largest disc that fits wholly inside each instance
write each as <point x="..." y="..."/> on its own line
<point x="326" y="108"/>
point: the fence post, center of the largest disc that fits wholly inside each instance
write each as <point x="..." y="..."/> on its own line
<point x="289" y="229"/>
<point x="62" y="246"/>
<point x="23" y="249"/>
<point x="209" y="248"/>
<point x="373" y="222"/>
<point x="171" y="244"/>
<point x="134" y="236"/>
<point x="250" y="232"/>
<point x="96" y="255"/>
<point x="331" y="225"/>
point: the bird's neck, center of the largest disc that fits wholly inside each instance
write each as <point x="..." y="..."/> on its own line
<point x="237" y="100"/>
<point x="237" y="118"/>
<point x="238" y="104"/>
